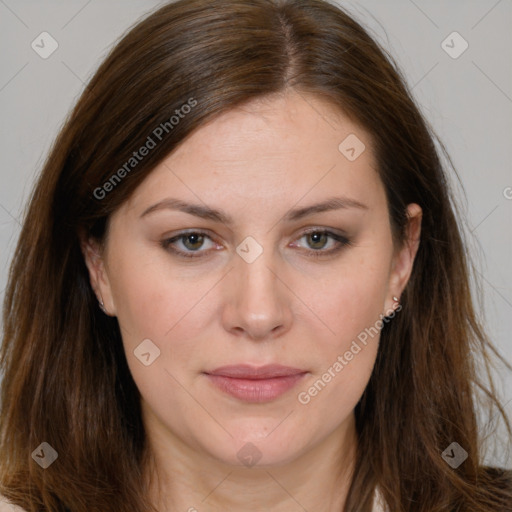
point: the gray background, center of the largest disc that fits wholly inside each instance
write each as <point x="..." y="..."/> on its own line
<point x="467" y="100"/>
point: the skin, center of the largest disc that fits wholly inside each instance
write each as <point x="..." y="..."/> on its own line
<point x="285" y="307"/>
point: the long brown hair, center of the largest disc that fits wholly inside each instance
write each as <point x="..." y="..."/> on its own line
<point x="66" y="380"/>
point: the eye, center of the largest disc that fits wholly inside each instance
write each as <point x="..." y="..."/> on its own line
<point x="319" y="239"/>
<point x="192" y="241"/>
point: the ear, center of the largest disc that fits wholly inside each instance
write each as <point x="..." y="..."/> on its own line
<point x="403" y="259"/>
<point x="93" y="253"/>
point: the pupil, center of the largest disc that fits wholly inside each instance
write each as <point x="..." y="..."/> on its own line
<point x="316" y="236"/>
<point x="195" y="238"/>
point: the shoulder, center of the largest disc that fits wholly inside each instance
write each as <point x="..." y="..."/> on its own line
<point x="6" y="506"/>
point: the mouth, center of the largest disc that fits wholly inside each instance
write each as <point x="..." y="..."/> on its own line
<point x="255" y="384"/>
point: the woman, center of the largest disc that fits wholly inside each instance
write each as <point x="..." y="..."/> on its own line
<point x="256" y="295"/>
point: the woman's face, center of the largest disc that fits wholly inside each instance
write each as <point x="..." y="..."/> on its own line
<point x="255" y="289"/>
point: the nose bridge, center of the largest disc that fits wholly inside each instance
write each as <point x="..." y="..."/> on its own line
<point x="257" y="277"/>
<point x="255" y="257"/>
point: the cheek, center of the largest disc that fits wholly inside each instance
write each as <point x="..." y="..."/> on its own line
<point x="153" y="303"/>
<point x="159" y="302"/>
<point x="350" y="305"/>
<point x="353" y="298"/>
<point x="152" y="294"/>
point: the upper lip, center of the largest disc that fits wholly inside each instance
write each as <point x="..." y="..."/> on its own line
<point x="246" y="371"/>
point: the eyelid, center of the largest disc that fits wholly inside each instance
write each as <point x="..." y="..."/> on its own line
<point x="318" y="229"/>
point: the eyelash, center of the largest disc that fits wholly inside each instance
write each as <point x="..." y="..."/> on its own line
<point x="342" y="242"/>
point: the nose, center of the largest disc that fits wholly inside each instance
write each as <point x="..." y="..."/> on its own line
<point x="257" y="303"/>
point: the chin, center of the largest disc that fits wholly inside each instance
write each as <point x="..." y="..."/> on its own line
<point x="259" y="444"/>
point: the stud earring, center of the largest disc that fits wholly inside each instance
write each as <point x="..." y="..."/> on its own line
<point x="102" y="307"/>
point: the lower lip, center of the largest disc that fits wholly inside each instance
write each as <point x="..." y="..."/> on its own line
<point x="255" y="390"/>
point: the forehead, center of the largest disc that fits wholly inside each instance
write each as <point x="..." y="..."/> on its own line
<point x="288" y="126"/>
<point x="286" y="146"/>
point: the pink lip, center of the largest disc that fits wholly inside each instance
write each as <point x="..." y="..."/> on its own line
<point x="255" y="384"/>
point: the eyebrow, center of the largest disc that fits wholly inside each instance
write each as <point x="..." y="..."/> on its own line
<point x="205" y="212"/>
